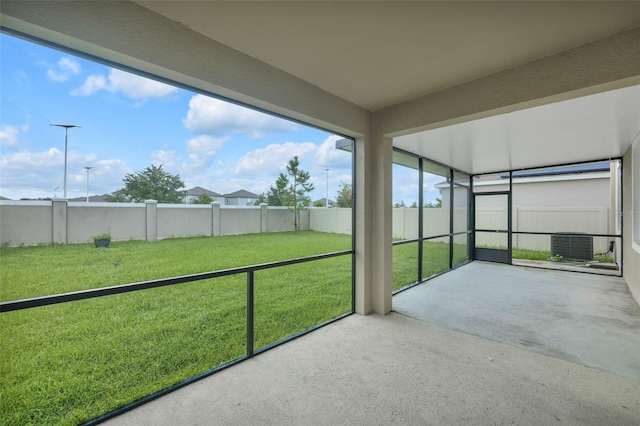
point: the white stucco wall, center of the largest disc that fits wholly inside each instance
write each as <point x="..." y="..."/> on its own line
<point x="176" y="220"/>
<point x="122" y="220"/>
<point x="631" y="208"/>
<point x="13" y="215"/>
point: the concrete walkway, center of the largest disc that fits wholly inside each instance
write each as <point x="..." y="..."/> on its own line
<point x="587" y="319"/>
<point x="374" y="370"/>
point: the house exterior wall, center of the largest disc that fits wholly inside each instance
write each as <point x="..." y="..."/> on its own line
<point x="240" y="201"/>
<point x="191" y="198"/>
<point x="631" y="210"/>
<point x="582" y="192"/>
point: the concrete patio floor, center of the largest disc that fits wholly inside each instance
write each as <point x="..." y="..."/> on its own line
<point x="584" y="318"/>
<point x="380" y="370"/>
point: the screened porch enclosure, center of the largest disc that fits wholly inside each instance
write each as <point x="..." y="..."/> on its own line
<point x="561" y="217"/>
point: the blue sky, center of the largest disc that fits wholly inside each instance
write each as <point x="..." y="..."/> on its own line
<point x="129" y="122"/>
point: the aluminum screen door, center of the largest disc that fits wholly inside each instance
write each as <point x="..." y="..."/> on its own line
<point x="492" y="227"/>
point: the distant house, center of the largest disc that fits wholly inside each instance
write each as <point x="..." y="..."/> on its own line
<point x="195" y="192"/>
<point x="322" y="202"/>
<point x="92" y="199"/>
<point x="240" y="198"/>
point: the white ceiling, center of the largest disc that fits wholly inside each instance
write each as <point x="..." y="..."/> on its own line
<point x="377" y="54"/>
<point x="595" y="127"/>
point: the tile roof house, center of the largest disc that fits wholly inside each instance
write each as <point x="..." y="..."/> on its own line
<point x="240" y="198"/>
<point x="195" y="192"/>
<point x="92" y="199"/>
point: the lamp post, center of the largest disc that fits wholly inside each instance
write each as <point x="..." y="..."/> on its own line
<point x="88" y="168"/>
<point x="66" y="134"/>
<point x="327" y="199"/>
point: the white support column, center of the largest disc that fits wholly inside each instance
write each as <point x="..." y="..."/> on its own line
<point x="363" y="193"/>
<point x="382" y="224"/>
<point x="152" y="220"/>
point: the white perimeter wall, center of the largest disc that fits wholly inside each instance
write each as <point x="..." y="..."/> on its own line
<point x="44" y="222"/>
<point x="60" y="222"/>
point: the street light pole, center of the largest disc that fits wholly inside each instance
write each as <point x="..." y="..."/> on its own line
<point x="66" y="134"/>
<point x="88" y="168"/>
<point x="327" y="199"/>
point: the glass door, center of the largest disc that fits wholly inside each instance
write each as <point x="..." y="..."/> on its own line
<point x="492" y="240"/>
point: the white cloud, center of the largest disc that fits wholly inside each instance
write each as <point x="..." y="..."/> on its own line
<point x="169" y="159"/>
<point x="131" y="85"/>
<point x="137" y="87"/>
<point x="272" y="158"/>
<point x="19" y="160"/>
<point x="92" y="84"/>
<point x="214" y="117"/>
<point x="329" y="156"/>
<point x="66" y="68"/>
<point x="9" y="135"/>
<point x="41" y="174"/>
<point x="202" y="149"/>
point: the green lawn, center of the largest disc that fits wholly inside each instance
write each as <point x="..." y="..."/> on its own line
<point x="42" y="270"/>
<point x="435" y="260"/>
<point x="68" y="363"/>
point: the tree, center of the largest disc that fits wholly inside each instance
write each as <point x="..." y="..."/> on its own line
<point x="152" y="183"/>
<point x="290" y="190"/>
<point x="203" y="199"/>
<point x="345" y="196"/>
<point x="434" y="204"/>
<point x="277" y="195"/>
<point x="299" y="186"/>
<point x="399" y="204"/>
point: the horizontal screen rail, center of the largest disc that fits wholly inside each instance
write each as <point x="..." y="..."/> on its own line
<point x="430" y="237"/>
<point x="572" y="234"/>
<point x="399" y="243"/>
<point x="16" y="305"/>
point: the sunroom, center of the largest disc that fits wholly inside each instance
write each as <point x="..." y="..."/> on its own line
<point x="467" y="96"/>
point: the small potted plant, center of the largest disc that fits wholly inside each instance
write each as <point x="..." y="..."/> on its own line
<point x="102" y="240"/>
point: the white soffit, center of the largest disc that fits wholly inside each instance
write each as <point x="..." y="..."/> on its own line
<point x="380" y="53"/>
<point x="595" y="127"/>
